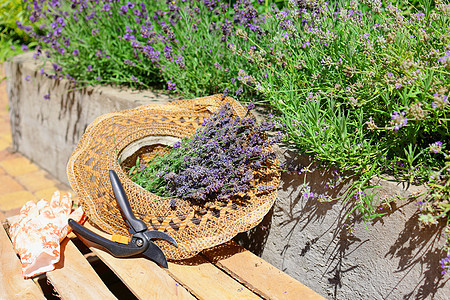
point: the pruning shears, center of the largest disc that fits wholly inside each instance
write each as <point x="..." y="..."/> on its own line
<point x="140" y="242"/>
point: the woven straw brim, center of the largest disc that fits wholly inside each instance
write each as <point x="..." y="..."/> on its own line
<point x="194" y="228"/>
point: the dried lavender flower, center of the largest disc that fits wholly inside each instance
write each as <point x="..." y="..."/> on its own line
<point x="217" y="162"/>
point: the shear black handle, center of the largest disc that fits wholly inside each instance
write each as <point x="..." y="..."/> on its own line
<point x="122" y="199"/>
<point x="116" y="249"/>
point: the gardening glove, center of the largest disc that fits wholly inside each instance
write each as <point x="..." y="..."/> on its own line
<point x="37" y="232"/>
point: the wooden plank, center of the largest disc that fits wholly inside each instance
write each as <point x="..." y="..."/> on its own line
<point x="257" y="274"/>
<point x="12" y="284"/>
<point x="143" y="277"/>
<point x="74" y="278"/>
<point x="206" y="281"/>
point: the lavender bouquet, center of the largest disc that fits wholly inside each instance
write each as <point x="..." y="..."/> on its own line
<point x="221" y="160"/>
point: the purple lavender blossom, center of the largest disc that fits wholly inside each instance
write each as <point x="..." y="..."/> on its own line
<point x="170" y="85"/>
<point x="128" y="36"/>
<point x="421" y="205"/>
<point x="440" y="101"/>
<point x="436" y="147"/>
<point x="398" y="120"/>
<point x="250" y="106"/>
<point x="419" y="16"/>
<point x="129" y="63"/>
<point x="445" y="264"/>
<point x="24" y="48"/>
<point x="445" y="59"/>
<point x="168" y="52"/>
<point x="57" y="67"/>
<point x="224" y="94"/>
<point x="177" y="145"/>
<point x="179" y="62"/>
<point x="75" y="52"/>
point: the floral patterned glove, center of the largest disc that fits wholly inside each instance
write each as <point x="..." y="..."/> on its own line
<point x="37" y="232"/>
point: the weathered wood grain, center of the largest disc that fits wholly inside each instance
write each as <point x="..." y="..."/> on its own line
<point x="206" y="281"/>
<point x="143" y="277"/>
<point x="74" y="278"/>
<point x="257" y="274"/>
<point x="12" y="284"/>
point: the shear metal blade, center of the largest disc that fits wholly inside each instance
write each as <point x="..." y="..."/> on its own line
<point x="155" y="253"/>
<point x="154" y="234"/>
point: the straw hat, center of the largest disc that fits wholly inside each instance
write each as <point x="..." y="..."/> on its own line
<point x="115" y="138"/>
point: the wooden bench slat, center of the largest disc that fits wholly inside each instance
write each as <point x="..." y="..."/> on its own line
<point x="227" y="271"/>
<point x="257" y="274"/>
<point x="206" y="281"/>
<point x="74" y="278"/>
<point x="12" y="284"/>
<point x="143" y="277"/>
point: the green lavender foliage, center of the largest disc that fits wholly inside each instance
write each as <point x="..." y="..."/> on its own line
<point x="11" y="37"/>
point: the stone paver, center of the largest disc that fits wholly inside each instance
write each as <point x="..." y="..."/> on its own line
<point x="4" y="144"/>
<point x="35" y="181"/>
<point x="9" y="185"/>
<point x="7" y="154"/>
<point x="18" y="166"/>
<point x="15" y="200"/>
<point x="4" y="127"/>
<point x="47" y="193"/>
<point x="6" y="137"/>
<point x="12" y="212"/>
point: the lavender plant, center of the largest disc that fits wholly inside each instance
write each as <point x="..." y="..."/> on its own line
<point x="359" y="84"/>
<point x="196" y="58"/>
<point x="184" y="43"/>
<point x="12" y="40"/>
<point x="88" y="42"/>
<point x="221" y="160"/>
